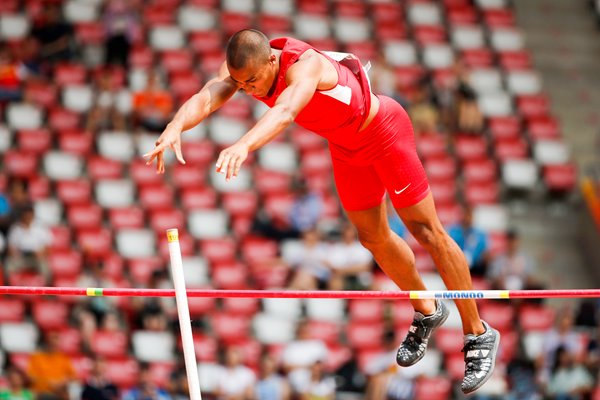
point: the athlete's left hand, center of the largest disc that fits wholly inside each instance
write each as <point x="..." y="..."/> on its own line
<point x="231" y="159"/>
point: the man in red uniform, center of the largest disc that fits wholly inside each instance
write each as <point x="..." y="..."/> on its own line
<point x="373" y="151"/>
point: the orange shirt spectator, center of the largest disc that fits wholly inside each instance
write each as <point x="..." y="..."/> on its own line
<point x="50" y="370"/>
<point x="153" y="106"/>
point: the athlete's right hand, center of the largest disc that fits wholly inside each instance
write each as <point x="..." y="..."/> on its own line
<point x="170" y="138"/>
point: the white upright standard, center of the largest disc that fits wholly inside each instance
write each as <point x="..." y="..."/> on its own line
<point x="183" y="311"/>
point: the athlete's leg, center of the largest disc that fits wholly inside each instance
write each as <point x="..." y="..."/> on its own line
<point x="392" y="254"/>
<point x="422" y="221"/>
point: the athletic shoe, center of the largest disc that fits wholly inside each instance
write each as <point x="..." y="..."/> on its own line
<point x="414" y="345"/>
<point x="480" y="358"/>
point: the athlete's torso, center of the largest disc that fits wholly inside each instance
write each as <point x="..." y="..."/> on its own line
<point x="337" y="113"/>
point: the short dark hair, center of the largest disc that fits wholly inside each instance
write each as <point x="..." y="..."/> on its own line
<point x="247" y="46"/>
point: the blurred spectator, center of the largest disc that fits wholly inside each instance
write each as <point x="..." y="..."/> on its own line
<point x="423" y="112"/>
<point x="50" y="370"/>
<point x="235" y="381"/>
<point x="386" y="380"/>
<point x="14" y="202"/>
<point x="570" y="380"/>
<point x="587" y="314"/>
<point x="104" y="113"/>
<point x="145" y="389"/>
<point x="153" y="106"/>
<point x="270" y="385"/>
<point x="472" y="241"/>
<point x="153" y="313"/>
<point x="299" y="355"/>
<point x="310" y="261"/>
<point x="178" y="384"/>
<point x="12" y="73"/>
<point x="93" y="275"/>
<point x="350" y="262"/>
<point x="513" y="269"/>
<point x="122" y="28"/>
<point x="320" y="386"/>
<point x="304" y="215"/>
<point x="521" y="379"/>
<point x="98" y="386"/>
<point x="54" y="36"/>
<point x="17" y="386"/>
<point x="561" y="335"/>
<point x="28" y="242"/>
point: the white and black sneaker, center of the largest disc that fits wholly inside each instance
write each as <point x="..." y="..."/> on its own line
<point x="480" y="358"/>
<point x="414" y="345"/>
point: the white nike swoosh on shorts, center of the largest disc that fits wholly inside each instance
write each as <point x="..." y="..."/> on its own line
<point x="402" y="190"/>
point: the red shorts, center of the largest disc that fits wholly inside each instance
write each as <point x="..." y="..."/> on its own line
<point x="381" y="157"/>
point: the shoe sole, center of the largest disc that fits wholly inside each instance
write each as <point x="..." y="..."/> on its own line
<point x="445" y="317"/>
<point x="489" y="375"/>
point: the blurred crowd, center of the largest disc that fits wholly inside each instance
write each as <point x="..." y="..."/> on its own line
<point x="314" y="253"/>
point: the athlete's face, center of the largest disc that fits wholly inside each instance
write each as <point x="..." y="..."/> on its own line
<point x="257" y="77"/>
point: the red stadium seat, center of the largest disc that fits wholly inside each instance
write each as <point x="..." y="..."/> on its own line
<point x="477" y="193"/>
<point x="242" y="306"/>
<point x="450" y="213"/>
<point x="189" y="177"/>
<point x="141" y="57"/>
<point x="327" y="331"/>
<point x="70" y="341"/>
<point x="278" y="206"/>
<point x="536" y="318"/>
<point x="500" y="316"/>
<point x="12" y="309"/>
<point x="198" y="154"/>
<point x="316" y="161"/>
<point x="122" y="371"/>
<point x="141" y="269"/>
<point x="110" y="343"/>
<point x="313" y="6"/>
<point x="267" y="182"/>
<point x="206" y="348"/>
<point x="157" y="196"/>
<point x="231" y="22"/>
<point x="390" y="30"/>
<point x="443" y="191"/>
<point x="74" y="192"/>
<point x="560" y="177"/>
<point x="82" y="365"/>
<point x="161" y="371"/>
<point x="483" y="170"/>
<point x="163" y="219"/>
<point x="129" y="217"/>
<point x="230" y="328"/>
<point x="79" y="143"/>
<point x="408" y="76"/>
<point x="437" y="388"/>
<point x="402" y="313"/>
<point x="238" y="107"/>
<point x="84" y="216"/>
<point x="70" y="74"/>
<point x="61" y="238"/>
<point x="20" y="164"/>
<point x="206" y="41"/>
<point x="65" y="263"/>
<point x="440" y="168"/>
<point x="515" y="59"/>
<point x="449" y="341"/>
<point x="41" y="93"/>
<point x="218" y="250"/>
<point x="256" y="249"/>
<point x="306" y="140"/>
<point x="50" y="314"/>
<point x="470" y="147"/>
<point x="366" y="310"/>
<point x="144" y="175"/>
<point x="104" y="168"/>
<point x="337" y="356"/>
<point x="504" y="127"/>
<point x="36" y="141"/>
<point x="240" y="203"/>
<point x="177" y="60"/>
<point x="477" y="58"/>
<point x="545" y="127"/>
<point x="350" y="8"/>
<point x="533" y="105"/>
<point x="158" y="15"/>
<point x="509" y="345"/>
<point x="186" y="243"/>
<point x="230" y="275"/>
<point x="200" y="306"/>
<point x="184" y="84"/>
<point x="365" y="335"/>
<point x="455" y="365"/>
<point x="95" y="242"/>
<point x="61" y="119"/>
<point x="39" y="188"/>
<point x="386" y="12"/>
<point x="273" y="24"/>
<point x="499" y="17"/>
<point x="199" y="198"/>
<point x="429" y="34"/>
<point x="510" y="149"/>
<point x="90" y="33"/>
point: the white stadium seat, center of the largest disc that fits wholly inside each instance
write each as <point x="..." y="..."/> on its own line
<point x="485" y="80"/>
<point x="273" y="330"/>
<point x="400" y="52"/>
<point x="116" y="145"/>
<point x="48" y="211"/>
<point x="238" y="6"/>
<point x="78" y="98"/>
<point x="115" y="193"/>
<point x="280" y="157"/>
<point x="238" y="184"/>
<point x="309" y="27"/>
<point x="325" y="309"/>
<point x="77" y="11"/>
<point x="467" y="37"/>
<point x="491" y="218"/>
<point x="192" y="19"/>
<point x="283" y="308"/>
<point x="136" y="243"/>
<point x="209" y="375"/>
<point x="520" y="174"/>
<point x="424" y="14"/>
<point x="198" y="132"/>
<point x="349" y="30"/>
<point x="195" y="270"/>
<point x="150" y="346"/>
<point x="6" y="136"/>
<point x="226" y="131"/>
<point x="24" y="116"/>
<point x="282" y="8"/>
<point x="490" y="4"/>
<point x="497" y="104"/>
<point x="208" y="224"/>
<point x="60" y="165"/>
<point x="506" y="39"/>
<point x="548" y="152"/>
<point x="523" y="82"/>
<point x="166" y="38"/>
<point x="438" y="56"/>
<point x="18" y="337"/>
<point x="145" y="142"/>
<point x="14" y="26"/>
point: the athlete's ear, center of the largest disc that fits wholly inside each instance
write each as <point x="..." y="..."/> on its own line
<point x="272" y="58"/>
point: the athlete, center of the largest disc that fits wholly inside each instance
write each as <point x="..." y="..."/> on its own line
<point x="373" y="150"/>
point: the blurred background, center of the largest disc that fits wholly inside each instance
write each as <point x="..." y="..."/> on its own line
<point x="504" y="99"/>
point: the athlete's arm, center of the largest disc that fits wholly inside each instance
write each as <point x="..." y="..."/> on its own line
<point x="212" y="96"/>
<point x="302" y="80"/>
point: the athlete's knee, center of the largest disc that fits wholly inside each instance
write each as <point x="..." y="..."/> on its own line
<point x="429" y="235"/>
<point x="373" y="239"/>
